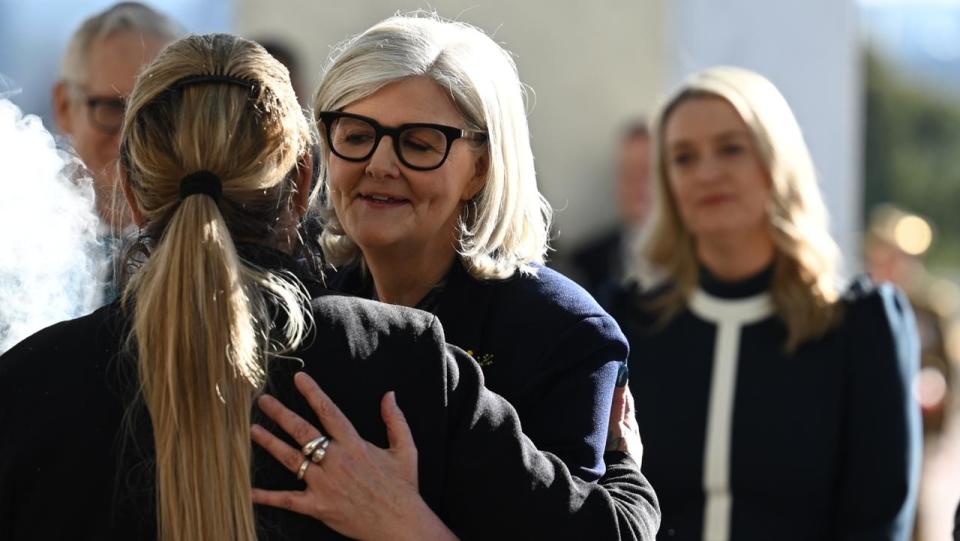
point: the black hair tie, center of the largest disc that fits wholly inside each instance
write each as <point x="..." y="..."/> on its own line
<point x="201" y="182"/>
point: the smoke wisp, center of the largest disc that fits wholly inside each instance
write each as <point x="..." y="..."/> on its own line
<point x="50" y="261"/>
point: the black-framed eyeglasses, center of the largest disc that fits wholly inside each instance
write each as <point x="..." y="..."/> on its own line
<point x="104" y="112"/>
<point x="420" y="146"/>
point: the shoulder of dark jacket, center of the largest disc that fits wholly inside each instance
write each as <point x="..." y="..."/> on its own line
<point x="60" y="345"/>
<point x="865" y="298"/>
<point x="547" y="293"/>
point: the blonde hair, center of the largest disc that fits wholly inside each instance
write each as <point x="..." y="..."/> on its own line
<point x="201" y="321"/>
<point x="804" y="286"/>
<point x="505" y="227"/>
<point x="121" y="17"/>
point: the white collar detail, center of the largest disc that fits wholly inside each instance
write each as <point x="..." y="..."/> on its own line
<point x="741" y="311"/>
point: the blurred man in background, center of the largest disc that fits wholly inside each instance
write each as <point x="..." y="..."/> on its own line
<point x="284" y="52"/>
<point x="101" y="63"/>
<point x="600" y="264"/>
<point x="102" y="60"/>
<point x="895" y="245"/>
<point x="895" y="242"/>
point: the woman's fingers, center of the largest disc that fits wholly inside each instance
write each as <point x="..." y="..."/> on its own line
<point x="630" y="430"/>
<point x="334" y="421"/>
<point x="290" y="422"/>
<point x="629" y="413"/>
<point x="618" y="409"/>
<point x="288" y="456"/>
<point x="357" y="488"/>
<point x="298" y="502"/>
<point x="623" y="433"/>
<point x="402" y="446"/>
<point x="398" y="431"/>
<point x="616" y="426"/>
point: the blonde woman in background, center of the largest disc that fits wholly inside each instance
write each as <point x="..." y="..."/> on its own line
<point x="772" y="404"/>
<point x="134" y="422"/>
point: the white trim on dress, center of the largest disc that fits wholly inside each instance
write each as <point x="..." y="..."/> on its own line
<point x="730" y="316"/>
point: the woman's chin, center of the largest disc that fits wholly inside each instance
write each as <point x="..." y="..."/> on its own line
<point x="723" y="228"/>
<point x="377" y="244"/>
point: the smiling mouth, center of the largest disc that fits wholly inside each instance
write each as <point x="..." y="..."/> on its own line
<point x="382" y="199"/>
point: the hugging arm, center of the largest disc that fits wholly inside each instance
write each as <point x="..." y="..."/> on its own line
<point x="511" y="482"/>
<point x="565" y="405"/>
<point x="495" y="482"/>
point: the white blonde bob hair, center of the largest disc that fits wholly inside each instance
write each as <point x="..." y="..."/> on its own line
<point x="505" y="227"/>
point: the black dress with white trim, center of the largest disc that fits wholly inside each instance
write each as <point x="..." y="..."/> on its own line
<point x="745" y="441"/>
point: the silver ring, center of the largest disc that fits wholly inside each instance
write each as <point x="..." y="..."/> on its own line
<point x="312" y="445"/>
<point x="303" y="469"/>
<point x="317" y="455"/>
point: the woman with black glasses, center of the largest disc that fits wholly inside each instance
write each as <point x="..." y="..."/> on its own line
<point x="433" y="203"/>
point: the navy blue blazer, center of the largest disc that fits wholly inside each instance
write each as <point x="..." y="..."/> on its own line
<point x="542" y="342"/>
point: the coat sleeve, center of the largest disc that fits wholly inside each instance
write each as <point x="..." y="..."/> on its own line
<point x="498" y="485"/>
<point x="883" y="428"/>
<point x="9" y="434"/>
<point x="567" y="403"/>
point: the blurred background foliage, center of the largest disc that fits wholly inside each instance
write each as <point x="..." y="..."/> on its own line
<point x="912" y="151"/>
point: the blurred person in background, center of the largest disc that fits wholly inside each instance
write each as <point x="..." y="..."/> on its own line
<point x="138" y="415"/>
<point x="896" y="241"/>
<point x="772" y="405"/>
<point x="599" y="264"/>
<point x="895" y="245"/>
<point x="101" y="63"/>
<point x="286" y="55"/>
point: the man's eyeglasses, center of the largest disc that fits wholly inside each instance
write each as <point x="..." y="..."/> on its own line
<point x="422" y="147"/>
<point x="104" y="112"/>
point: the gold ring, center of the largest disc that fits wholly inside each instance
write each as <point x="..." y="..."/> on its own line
<point x="312" y="445"/>
<point x="303" y="469"/>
